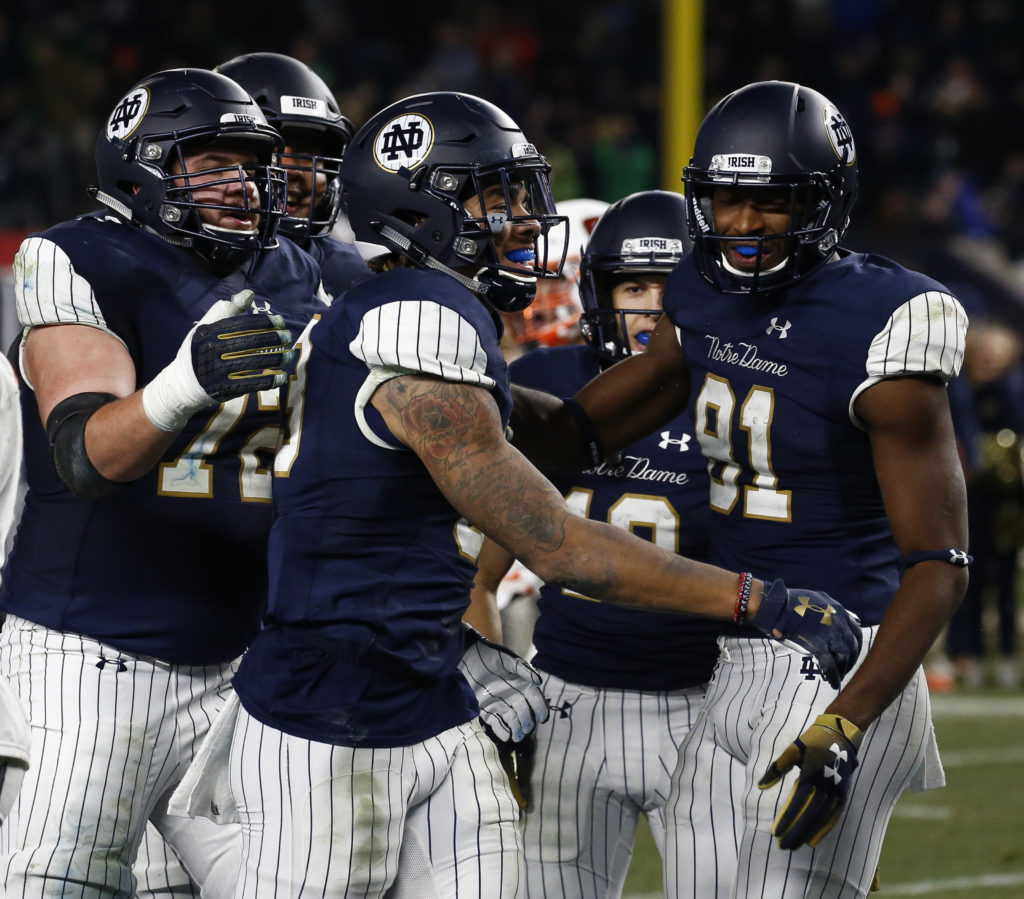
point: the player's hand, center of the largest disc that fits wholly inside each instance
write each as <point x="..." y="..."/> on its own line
<point x="811" y="621"/>
<point x="827" y="755"/>
<point x="228" y="353"/>
<point x="507" y="687"/>
<point x="15" y="743"/>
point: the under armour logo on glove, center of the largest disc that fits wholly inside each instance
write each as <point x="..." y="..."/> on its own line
<point x="811" y="621"/>
<point x="804" y="605"/>
<point x="840" y="756"/>
<point x="827" y="755"/>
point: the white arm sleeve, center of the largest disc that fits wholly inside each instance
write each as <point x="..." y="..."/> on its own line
<point x="924" y="336"/>
<point x="411" y="336"/>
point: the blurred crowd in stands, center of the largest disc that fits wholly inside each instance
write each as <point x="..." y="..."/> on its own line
<point x="933" y="90"/>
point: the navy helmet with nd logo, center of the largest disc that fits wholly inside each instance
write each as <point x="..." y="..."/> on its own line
<point x="411" y="168"/>
<point x="779" y="136"/>
<point x="140" y="155"/>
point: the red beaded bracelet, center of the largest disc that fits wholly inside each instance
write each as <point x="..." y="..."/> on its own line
<point x="739" y="612"/>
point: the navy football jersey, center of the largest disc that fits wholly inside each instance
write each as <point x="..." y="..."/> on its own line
<point x="340" y="263"/>
<point x="172" y="565"/>
<point x="368" y="583"/>
<point x="658" y="490"/>
<point x="774" y="380"/>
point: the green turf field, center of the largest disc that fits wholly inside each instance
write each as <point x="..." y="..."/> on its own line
<point x="963" y="842"/>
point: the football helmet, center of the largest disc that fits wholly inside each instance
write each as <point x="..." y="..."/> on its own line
<point x="552" y="319"/>
<point x="642" y="234"/>
<point x="409" y="172"/>
<point x="778" y="135"/>
<point x="150" y="131"/>
<point x="297" y="103"/>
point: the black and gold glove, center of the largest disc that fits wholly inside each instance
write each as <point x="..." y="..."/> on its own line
<point x="827" y="755"/>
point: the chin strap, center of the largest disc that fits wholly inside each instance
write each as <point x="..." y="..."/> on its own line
<point x="421" y="257"/>
<point x="510" y="297"/>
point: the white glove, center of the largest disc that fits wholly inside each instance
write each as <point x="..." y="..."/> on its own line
<point x="507" y="687"/>
<point x="240" y="354"/>
<point x="15" y="743"/>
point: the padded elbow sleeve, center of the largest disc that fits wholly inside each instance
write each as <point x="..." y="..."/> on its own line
<point x="65" y="431"/>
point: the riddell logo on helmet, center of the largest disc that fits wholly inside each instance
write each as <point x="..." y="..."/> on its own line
<point x="702" y="222"/>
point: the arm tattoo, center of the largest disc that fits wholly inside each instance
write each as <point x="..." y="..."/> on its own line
<point x="451" y="429"/>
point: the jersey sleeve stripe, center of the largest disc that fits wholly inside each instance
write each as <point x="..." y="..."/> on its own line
<point x="923" y="336"/>
<point x="48" y="290"/>
<point x="421" y="336"/>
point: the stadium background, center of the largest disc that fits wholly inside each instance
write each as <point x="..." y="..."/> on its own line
<point x="611" y="91"/>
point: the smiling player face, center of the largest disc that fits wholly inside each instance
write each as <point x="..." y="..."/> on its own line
<point x="212" y="176"/>
<point x="753" y="215"/>
<point x="514" y="243"/>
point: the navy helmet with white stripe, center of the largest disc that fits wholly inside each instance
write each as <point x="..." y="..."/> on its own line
<point x="410" y="170"/>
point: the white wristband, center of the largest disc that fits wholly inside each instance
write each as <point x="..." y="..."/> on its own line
<point x="175" y="394"/>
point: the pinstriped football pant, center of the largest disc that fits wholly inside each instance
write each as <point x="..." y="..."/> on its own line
<point x="320" y="820"/>
<point x="761" y="698"/>
<point x="603" y="758"/>
<point x="112" y="734"/>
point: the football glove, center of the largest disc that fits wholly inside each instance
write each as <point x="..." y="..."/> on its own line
<point x="228" y="353"/>
<point x="827" y="755"/>
<point x="811" y="621"/>
<point x="507" y="687"/>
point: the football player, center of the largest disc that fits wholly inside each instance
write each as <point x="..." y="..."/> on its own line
<point x="155" y="333"/>
<point x="357" y="742"/>
<point x="300" y="106"/>
<point x="816" y="380"/>
<point x="623" y="684"/>
<point x="297" y="102"/>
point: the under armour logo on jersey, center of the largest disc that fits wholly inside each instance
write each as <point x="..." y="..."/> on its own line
<point x="832" y="771"/>
<point x="804" y="605"/>
<point x="103" y="662"/>
<point x="782" y="329"/>
<point x="668" y="440"/>
<point x="258" y="307"/>
<point x="564" y="709"/>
